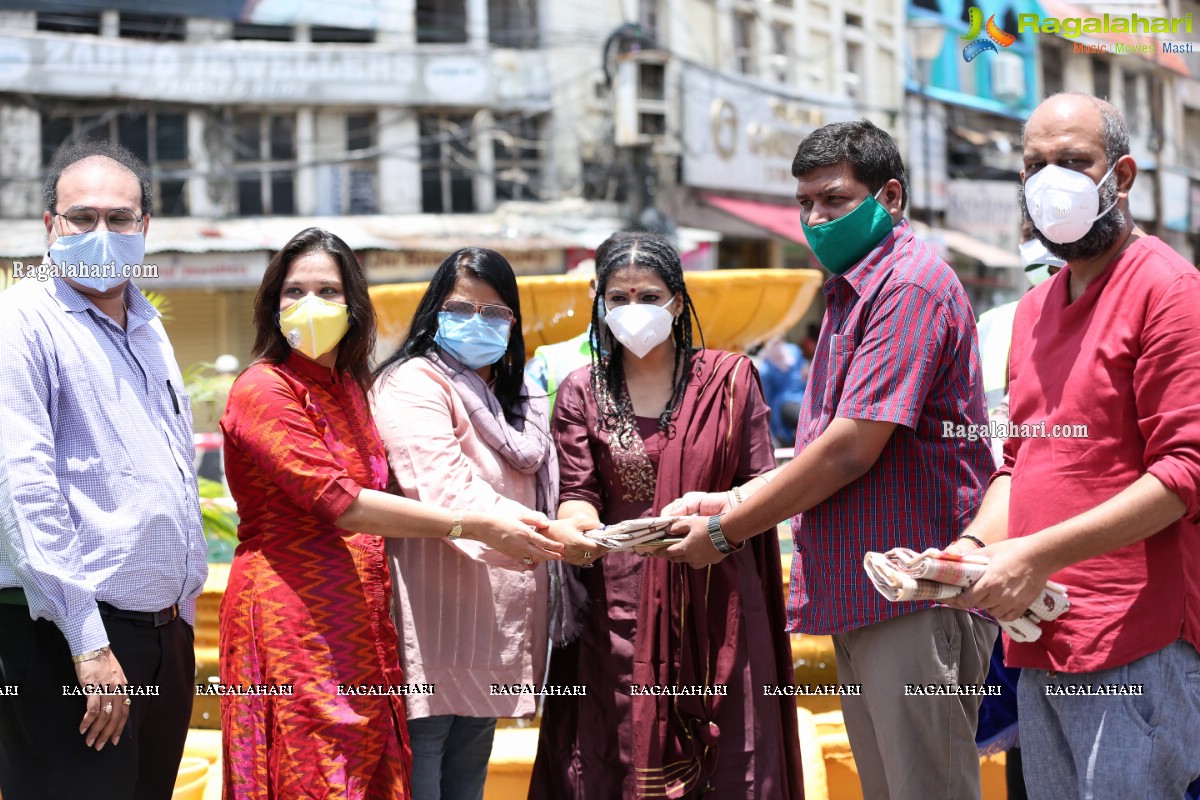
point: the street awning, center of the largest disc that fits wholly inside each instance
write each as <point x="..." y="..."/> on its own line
<point x="777" y="218"/>
<point x="962" y="244"/>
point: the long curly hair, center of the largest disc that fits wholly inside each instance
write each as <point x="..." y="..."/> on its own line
<point x="654" y="253"/>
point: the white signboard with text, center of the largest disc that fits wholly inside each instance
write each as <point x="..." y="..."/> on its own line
<point x="743" y="139"/>
<point x="233" y="72"/>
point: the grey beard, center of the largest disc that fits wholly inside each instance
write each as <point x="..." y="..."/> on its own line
<point x="1103" y="234"/>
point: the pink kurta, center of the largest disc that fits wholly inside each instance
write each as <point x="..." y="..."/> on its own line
<point x="468" y="617"/>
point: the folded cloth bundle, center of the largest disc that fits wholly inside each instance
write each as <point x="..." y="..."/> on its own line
<point x="901" y="574"/>
<point x="624" y="535"/>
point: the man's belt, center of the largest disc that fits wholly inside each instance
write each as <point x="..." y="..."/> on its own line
<point x="15" y="596"/>
<point x="155" y="618"/>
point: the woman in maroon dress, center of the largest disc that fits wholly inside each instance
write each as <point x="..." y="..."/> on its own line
<point x="645" y="423"/>
<point x="305" y="613"/>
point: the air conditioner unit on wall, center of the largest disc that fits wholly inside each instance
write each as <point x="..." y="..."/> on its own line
<point x="1008" y="77"/>
<point x="640" y="97"/>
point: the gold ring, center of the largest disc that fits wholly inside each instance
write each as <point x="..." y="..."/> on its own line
<point x="587" y="553"/>
<point x="108" y="708"/>
<point x="127" y="702"/>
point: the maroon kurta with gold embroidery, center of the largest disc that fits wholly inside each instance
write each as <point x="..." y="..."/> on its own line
<point x="598" y="747"/>
<point x="307" y="602"/>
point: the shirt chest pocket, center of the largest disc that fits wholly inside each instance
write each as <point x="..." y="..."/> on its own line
<point x="841" y="354"/>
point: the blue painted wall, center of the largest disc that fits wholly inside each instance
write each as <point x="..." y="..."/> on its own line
<point x="946" y="78"/>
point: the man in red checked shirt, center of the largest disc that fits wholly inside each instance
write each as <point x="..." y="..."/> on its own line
<point x="896" y="360"/>
<point x="1111" y="342"/>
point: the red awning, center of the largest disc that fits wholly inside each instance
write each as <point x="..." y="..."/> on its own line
<point x="779" y="219"/>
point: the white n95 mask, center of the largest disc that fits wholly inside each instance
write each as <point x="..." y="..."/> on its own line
<point x="640" y="327"/>
<point x="1062" y="203"/>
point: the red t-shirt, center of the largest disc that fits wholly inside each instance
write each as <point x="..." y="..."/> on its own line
<point x="1124" y="361"/>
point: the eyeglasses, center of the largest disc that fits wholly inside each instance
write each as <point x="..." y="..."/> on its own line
<point x="83" y="220"/>
<point x="485" y="310"/>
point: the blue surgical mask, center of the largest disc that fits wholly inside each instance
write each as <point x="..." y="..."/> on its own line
<point x="90" y="252"/>
<point x="476" y="342"/>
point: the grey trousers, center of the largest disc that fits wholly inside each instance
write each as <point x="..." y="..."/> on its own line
<point x="1076" y="743"/>
<point x="913" y="737"/>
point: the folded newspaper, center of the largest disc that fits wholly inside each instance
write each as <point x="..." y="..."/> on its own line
<point x="632" y="532"/>
<point x="901" y="574"/>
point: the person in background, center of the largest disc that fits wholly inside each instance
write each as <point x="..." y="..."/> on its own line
<point x="650" y="419"/>
<point x="552" y="363"/>
<point x="1105" y="355"/>
<point x="464" y="429"/>
<point x="784" y="371"/>
<point x="896" y="361"/>
<point x="998" y="730"/>
<point x="102" y="553"/>
<point x="306" y="605"/>
<point x="995" y="331"/>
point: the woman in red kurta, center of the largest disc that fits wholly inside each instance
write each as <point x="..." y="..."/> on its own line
<point x="305" y="613"/>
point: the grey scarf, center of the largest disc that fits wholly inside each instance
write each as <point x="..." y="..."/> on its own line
<point x="527" y="446"/>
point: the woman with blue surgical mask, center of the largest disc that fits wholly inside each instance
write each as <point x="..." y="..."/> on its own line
<point x="307" y="603"/>
<point x="464" y="429"/>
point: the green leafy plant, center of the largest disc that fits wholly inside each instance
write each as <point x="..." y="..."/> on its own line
<point x="161" y="302"/>
<point x="219" y="518"/>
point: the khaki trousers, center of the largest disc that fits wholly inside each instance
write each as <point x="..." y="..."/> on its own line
<point x="909" y="742"/>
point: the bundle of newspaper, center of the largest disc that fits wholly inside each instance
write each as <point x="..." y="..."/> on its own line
<point x="901" y="574"/>
<point x="633" y="533"/>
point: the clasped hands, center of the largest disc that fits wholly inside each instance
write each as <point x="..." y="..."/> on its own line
<point x="693" y="509"/>
<point x="578" y="549"/>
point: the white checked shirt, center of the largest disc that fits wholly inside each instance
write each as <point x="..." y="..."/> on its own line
<point x="101" y="502"/>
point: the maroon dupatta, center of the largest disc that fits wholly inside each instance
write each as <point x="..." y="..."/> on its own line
<point x="688" y="622"/>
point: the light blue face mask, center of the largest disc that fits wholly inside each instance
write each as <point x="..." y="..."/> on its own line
<point x="476" y="342"/>
<point x="91" y="252"/>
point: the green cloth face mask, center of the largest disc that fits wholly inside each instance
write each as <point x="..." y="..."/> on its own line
<point x="841" y="243"/>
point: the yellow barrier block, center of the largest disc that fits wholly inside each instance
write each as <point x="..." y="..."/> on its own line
<point x="738" y="308"/>
<point x="511" y="764"/>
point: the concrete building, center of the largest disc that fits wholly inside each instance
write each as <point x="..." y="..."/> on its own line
<point x="401" y="126"/>
<point x="411" y="127"/>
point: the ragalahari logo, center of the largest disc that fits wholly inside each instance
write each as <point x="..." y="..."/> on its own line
<point x="996" y="36"/>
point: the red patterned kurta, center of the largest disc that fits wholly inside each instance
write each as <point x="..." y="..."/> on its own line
<point x="307" y="603"/>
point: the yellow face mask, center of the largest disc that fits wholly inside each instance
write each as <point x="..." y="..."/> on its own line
<point x="314" y="326"/>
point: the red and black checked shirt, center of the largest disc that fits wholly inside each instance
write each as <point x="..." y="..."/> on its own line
<point x="898" y="345"/>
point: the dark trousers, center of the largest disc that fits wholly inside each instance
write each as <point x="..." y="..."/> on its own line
<point x="42" y="753"/>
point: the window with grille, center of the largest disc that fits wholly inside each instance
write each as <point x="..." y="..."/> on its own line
<point x="517" y="158"/>
<point x="513" y="23"/>
<point x="743" y="42"/>
<point x="441" y="21"/>
<point x="447" y="164"/>
<point x="264" y="154"/>
<point x="159" y="137"/>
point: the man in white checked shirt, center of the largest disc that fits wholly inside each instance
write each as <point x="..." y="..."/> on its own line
<point x="102" y="553"/>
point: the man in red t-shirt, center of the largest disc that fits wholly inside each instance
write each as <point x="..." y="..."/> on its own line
<point x="1100" y="486"/>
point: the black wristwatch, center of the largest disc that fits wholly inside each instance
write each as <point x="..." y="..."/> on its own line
<point x="717" y="536"/>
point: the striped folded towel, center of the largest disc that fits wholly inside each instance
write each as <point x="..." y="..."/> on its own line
<point x="901" y="574"/>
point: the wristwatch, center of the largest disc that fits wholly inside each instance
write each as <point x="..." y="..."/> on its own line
<point x="717" y="536"/>
<point x="456" y="531"/>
